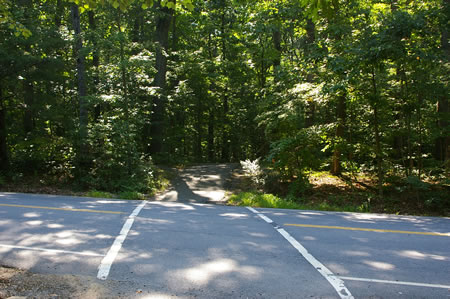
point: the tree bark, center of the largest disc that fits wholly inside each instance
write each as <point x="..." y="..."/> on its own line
<point x="442" y="143"/>
<point x="340" y="131"/>
<point x="225" y="155"/>
<point x="95" y="64"/>
<point x="376" y="126"/>
<point x="28" y="117"/>
<point x="82" y="92"/>
<point x="4" y="160"/>
<point x="211" y="136"/>
<point x="58" y="13"/>
<point x="163" y="21"/>
<point x="276" y="39"/>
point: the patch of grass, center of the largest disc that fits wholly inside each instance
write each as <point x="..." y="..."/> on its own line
<point x="99" y="194"/>
<point x="260" y="200"/>
<point x="162" y="178"/>
<point x="263" y="200"/>
<point x="131" y="195"/>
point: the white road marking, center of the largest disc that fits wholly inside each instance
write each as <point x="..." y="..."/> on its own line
<point x="51" y="250"/>
<point x="108" y="260"/>
<point x="417" y="284"/>
<point x="336" y="282"/>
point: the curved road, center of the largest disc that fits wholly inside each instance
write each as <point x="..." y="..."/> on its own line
<point x="179" y="246"/>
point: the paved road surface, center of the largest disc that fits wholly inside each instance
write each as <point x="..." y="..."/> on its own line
<point x="189" y="249"/>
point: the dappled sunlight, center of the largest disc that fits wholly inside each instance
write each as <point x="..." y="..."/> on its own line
<point x="379" y="265"/>
<point x="312" y="213"/>
<point x="212" y="195"/>
<point x="34" y="222"/>
<point x="355" y="253"/>
<point x="55" y="225"/>
<point x="29" y="258"/>
<point x="154" y="220"/>
<point x="362" y="240"/>
<point x="5" y="222"/>
<point x="204" y="273"/>
<point x="95" y="203"/>
<point x="166" y="204"/>
<point x="413" y="254"/>
<point x="338" y="269"/>
<point x="258" y="235"/>
<point x="261" y="247"/>
<point x="234" y="215"/>
<point x="171" y="196"/>
<point x="279" y="214"/>
<point x="32" y="214"/>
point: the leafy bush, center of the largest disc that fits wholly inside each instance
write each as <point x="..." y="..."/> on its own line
<point x="254" y="171"/>
<point x="299" y="186"/>
<point x="415" y="183"/>
<point x="99" y="194"/>
<point x="131" y="195"/>
<point x="254" y="199"/>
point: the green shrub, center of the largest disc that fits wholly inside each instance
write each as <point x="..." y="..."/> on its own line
<point x="131" y="195"/>
<point x="99" y="194"/>
<point x="254" y="199"/>
<point x="299" y="186"/>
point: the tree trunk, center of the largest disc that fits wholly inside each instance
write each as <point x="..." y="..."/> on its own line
<point x="83" y="160"/>
<point x="340" y="132"/>
<point x="95" y="64"/>
<point x="198" y="129"/>
<point x="276" y="39"/>
<point x="225" y="155"/>
<point x="28" y="117"/>
<point x="211" y="136"/>
<point x="442" y="143"/>
<point x="58" y="13"/>
<point x="4" y="161"/>
<point x="311" y="106"/>
<point x="376" y="126"/>
<point x="161" y="39"/>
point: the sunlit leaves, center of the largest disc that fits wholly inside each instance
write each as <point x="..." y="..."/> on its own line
<point x="6" y="18"/>
<point x="124" y="5"/>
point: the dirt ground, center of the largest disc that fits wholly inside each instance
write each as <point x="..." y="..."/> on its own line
<point x="17" y="282"/>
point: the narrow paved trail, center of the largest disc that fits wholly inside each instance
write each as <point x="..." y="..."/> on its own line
<point x="199" y="184"/>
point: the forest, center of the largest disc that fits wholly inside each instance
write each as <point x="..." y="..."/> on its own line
<point x="95" y="94"/>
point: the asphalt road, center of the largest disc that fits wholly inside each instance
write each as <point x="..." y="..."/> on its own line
<point x="189" y="249"/>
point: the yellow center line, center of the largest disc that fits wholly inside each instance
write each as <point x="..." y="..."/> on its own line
<point x="61" y="209"/>
<point x="371" y="229"/>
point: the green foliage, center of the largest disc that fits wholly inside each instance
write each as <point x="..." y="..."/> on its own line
<point x="99" y="194"/>
<point x="254" y="199"/>
<point x="416" y="183"/>
<point x="299" y="187"/>
<point x="306" y="85"/>
<point x="131" y="195"/>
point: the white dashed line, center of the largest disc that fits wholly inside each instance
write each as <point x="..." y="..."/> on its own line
<point x="416" y="284"/>
<point x="336" y="282"/>
<point x="51" y="250"/>
<point x="105" y="266"/>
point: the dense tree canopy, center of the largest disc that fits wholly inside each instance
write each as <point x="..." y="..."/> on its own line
<point x="97" y="90"/>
